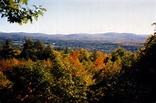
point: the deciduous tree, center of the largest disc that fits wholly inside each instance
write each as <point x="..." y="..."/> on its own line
<point x="18" y="11"/>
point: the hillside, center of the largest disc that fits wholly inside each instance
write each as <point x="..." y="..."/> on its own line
<point x="112" y="36"/>
<point x="104" y="41"/>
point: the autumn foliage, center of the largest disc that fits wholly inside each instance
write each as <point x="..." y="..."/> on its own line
<point x="39" y="73"/>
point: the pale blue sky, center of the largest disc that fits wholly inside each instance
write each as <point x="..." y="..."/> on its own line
<point x="90" y="16"/>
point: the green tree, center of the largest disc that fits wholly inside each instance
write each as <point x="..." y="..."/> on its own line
<point x="136" y="81"/>
<point x="27" y="51"/>
<point x="145" y="69"/>
<point x="67" y="87"/>
<point x="47" y="53"/>
<point x="118" y="53"/>
<point x="7" y="50"/>
<point x="39" y="49"/>
<point x="18" y="11"/>
<point x="33" y="50"/>
<point x="84" y="55"/>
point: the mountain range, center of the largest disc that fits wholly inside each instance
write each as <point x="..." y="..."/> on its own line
<point x="108" y="37"/>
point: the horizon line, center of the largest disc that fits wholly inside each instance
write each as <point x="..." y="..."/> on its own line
<point x="75" y="33"/>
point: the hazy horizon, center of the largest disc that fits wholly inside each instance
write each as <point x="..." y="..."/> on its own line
<point x="75" y="33"/>
<point x="90" y="16"/>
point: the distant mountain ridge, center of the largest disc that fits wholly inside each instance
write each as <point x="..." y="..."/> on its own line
<point x="109" y="37"/>
<point x="106" y="42"/>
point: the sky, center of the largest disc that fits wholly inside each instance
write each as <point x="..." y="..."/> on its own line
<point x="90" y="16"/>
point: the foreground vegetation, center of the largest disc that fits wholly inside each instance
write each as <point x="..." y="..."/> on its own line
<point x="39" y="74"/>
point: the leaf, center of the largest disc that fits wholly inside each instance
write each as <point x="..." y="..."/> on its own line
<point x="43" y="9"/>
<point x="20" y="23"/>
<point x="40" y="13"/>
<point x="35" y="6"/>
<point x="36" y="17"/>
<point x="24" y="2"/>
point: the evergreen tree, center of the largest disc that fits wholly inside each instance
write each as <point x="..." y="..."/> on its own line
<point x="7" y="50"/>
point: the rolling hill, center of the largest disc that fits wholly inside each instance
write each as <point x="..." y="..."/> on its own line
<point x="108" y="37"/>
<point x="106" y="42"/>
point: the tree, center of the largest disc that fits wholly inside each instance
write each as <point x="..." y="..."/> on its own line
<point x="69" y="88"/>
<point x="27" y="51"/>
<point x="4" y="82"/>
<point x="48" y="52"/>
<point x="18" y="11"/>
<point x="39" y="48"/>
<point x="31" y="84"/>
<point x="146" y="69"/>
<point x="7" y="50"/>
<point x="84" y="55"/>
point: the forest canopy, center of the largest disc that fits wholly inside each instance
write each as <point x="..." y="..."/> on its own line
<point x="39" y="73"/>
